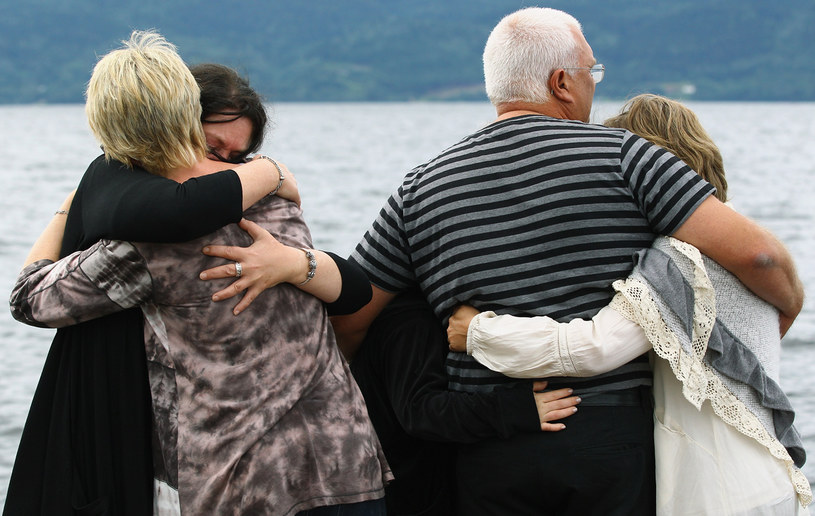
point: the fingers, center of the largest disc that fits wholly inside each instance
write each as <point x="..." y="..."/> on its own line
<point x="550" y="396"/>
<point x="246" y="300"/>
<point x="539" y="385"/>
<point x="556" y="415"/>
<point x="222" y="271"/>
<point x="561" y="404"/>
<point x="457" y="341"/>
<point x="465" y="312"/>
<point x="554" y="406"/>
<point x="457" y="327"/>
<point x="235" y="253"/>
<point x="231" y="291"/>
<point x="552" y="427"/>
<point x="254" y="230"/>
<point x="224" y="251"/>
<point x="259" y="270"/>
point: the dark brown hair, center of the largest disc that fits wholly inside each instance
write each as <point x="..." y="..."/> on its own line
<point x="225" y="92"/>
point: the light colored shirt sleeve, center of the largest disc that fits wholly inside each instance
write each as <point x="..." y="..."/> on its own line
<point x="540" y="347"/>
<point x="108" y="277"/>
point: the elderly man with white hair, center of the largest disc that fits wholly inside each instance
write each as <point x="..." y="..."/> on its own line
<point x="537" y="214"/>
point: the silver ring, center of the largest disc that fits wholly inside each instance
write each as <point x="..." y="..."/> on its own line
<point x="238" y="269"/>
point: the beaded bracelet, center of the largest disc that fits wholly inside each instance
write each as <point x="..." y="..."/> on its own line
<point x="61" y="212"/>
<point x="312" y="267"/>
<point x="280" y="173"/>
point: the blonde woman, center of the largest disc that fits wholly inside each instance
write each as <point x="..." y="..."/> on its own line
<point x="78" y="448"/>
<point x="723" y="428"/>
<point x="252" y="414"/>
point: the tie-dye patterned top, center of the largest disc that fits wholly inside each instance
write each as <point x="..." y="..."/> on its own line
<point x="254" y="414"/>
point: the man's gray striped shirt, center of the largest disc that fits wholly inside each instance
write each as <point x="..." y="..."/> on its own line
<point x="530" y="216"/>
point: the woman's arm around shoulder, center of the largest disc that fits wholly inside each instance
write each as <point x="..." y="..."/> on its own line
<point x="132" y="204"/>
<point x="540" y="347"/>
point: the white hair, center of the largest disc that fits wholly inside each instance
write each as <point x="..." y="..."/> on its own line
<point x="524" y="49"/>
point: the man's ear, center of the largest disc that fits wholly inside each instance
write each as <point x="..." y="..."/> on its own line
<point x="560" y="84"/>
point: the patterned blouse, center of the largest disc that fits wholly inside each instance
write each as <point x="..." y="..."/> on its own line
<point x="253" y="414"/>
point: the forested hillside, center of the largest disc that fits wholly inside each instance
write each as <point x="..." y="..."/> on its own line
<point x="362" y="50"/>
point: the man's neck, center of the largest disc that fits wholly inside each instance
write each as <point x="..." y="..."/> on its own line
<point x="514" y="109"/>
<point x="516" y="112"/>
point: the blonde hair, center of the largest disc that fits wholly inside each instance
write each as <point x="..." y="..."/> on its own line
<point x="673" y="126"/>
<point x="524" y="49"/>
<point x="143" y="105"/>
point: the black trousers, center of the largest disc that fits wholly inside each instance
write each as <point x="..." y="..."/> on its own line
<point x="601" y="464"/>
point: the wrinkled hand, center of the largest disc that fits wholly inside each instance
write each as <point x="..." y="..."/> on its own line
<point x="553" y="406"/>
<point x="264" y="264"/>
<point x="457" y="327"/>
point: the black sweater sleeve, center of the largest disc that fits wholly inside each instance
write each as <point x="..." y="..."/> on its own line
<point x="114" y="201"/>
<point x="409" y="346"/>
<point x="356" y="288"/>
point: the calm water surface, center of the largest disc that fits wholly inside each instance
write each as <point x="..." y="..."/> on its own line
<point x="349" y="157"/>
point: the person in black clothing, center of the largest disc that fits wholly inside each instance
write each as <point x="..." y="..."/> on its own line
<point x="86" y="444"/>
<point x="400" y="370"/>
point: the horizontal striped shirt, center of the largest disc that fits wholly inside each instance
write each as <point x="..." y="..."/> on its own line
<point x="530" y="216"/>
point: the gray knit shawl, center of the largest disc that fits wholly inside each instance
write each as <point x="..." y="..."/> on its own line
<point x="722" y="342"/>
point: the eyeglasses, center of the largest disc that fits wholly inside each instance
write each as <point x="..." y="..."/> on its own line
<point x="234" y="161"/>
<point x="597" y="71"/>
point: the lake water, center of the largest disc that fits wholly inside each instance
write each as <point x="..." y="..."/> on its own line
<point x="349" y="157"/>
